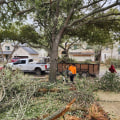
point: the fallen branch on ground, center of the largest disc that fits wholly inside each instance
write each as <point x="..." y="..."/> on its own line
<point x="96" y="112"/>
<point x="61" y="112"/>
<point x="54" y="89"/>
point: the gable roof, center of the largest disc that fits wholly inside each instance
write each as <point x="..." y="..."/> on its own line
<point x="6" y="52"/>
<point x="30" y="50"/>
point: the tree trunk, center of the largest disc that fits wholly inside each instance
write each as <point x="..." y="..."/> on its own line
<point x="12" y="52"/>
<point x="1" y="52"/>
<point x="53" y="62"/>
<point x="99" y="58"/>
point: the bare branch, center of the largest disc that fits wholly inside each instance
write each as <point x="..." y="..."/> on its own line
<point x="56" y="20"/>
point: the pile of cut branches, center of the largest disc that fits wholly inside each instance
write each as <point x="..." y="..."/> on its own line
<point x="95" y="112"/>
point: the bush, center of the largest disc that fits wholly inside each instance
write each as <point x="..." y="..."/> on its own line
<point x="109" y="82"/>
<point x="66" y="60"/>
<point x="115" y="62"/>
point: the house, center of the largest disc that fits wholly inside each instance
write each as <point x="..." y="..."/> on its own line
<point x="7" y="49"/>
<point x="25" y="52"/>
<point x="113" y="52"/>
<point x="41" y="52"/>
<point x="79" y="53"/>
<point x="21" y="51"/>
<point x="82" y="55"/>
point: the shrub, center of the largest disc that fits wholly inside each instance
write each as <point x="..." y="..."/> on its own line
<point x="115" y="62"/>
<point x="66" y="60"/>
<point x="109" y="82"/>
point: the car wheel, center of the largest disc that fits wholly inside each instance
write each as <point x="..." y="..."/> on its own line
<point x="38" y="71"/>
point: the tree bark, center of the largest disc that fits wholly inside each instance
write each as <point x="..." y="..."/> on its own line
<point x="1" y="52"/>
<point x="53" y="62"/>
<point x="99" y="58"/>
<point x="60" y="112"/>
<point x="12" y="52"/>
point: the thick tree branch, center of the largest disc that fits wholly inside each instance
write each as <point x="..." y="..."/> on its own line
<point x="62" y="47"/>
<point x="66" y="22"/>
<point x="86" y="6"/>
<point x="92" y="13"/>
<point x="56" y="20"/>
<point x="72" y="44"/>
<point x="60" y="112"/>
<point x="107" y="15"/>
<point x="98" y="19"/>
<point x="24" y="11"/>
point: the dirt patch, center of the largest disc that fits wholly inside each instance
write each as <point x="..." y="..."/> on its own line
<point x="110" y="102"/>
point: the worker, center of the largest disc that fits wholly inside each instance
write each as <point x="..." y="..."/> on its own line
<point x="112" y="69"/>
<point x="72" y="72"/>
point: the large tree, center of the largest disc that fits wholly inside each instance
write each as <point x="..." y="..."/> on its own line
<point x="54" y="17"/>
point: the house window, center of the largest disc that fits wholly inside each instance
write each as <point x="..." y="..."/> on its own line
<point x="75" y="47"/>
<point x="7" y="47"/>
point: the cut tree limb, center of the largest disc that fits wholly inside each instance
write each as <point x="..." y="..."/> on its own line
<point x="61" y="112"/>
<point x="55" y="89"/>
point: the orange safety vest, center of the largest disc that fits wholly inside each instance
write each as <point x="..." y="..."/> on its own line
<point x="72" y="69"/>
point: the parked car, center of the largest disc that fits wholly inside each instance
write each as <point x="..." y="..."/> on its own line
<point x="14" y="59"/>
<point x="27" y="65"/>
<point x="1" y="68"/>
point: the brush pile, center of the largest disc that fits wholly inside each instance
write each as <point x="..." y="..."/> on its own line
<point x="95" y="112"/>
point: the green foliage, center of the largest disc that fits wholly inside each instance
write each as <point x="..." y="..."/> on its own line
<point x="11" y="32"/>
<point x="55" y="18"/>
<point x="8" y="12"/>
<point x="28" y="34"/>
<point x="109" y="82"/>
<point x="115" y="62"/>
<point x="22" y="99"/>
<point x="88" y="61"/>
<point x="16" y="92"/>
<point x="66" y="60"/>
